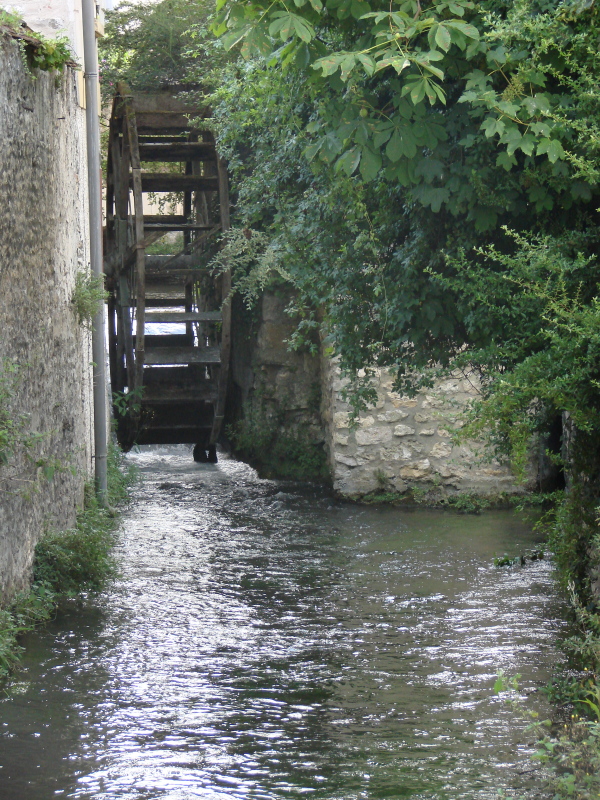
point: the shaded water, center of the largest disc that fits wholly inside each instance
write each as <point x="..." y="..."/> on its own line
<point x="266" y="642"/>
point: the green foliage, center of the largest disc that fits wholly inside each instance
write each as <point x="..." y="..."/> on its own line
<point x="432" y="497"/>
<point x="253" y="261"/>
<point x="26" y="612"/>
<point x="539" y="311"/>
<point x="50" y="55"/>
<point x="39" y="52"/>
<point x="506" y="683"/>
<point x="570" y="751"/>
<point x="535" y="554"/>
<point x="514" y="78"/>
<point x="125" y="403"/>
<point x="574" y="758"/>
<point x="399" y="209"/>
<point x="149" y="45"/>
<point x="88" y="296"/>
<point x="78" y="560"/>
<point x="467" y="503"/>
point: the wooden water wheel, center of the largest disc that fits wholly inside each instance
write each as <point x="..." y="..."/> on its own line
<point x="168" y="317"/>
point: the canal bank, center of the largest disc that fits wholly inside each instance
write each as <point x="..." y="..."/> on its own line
<point x="265" y="641"/>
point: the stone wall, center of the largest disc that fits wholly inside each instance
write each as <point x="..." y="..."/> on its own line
<point x="404" y="443"/>
<point x="275" y="391"/>
<point x="43" y="221"/>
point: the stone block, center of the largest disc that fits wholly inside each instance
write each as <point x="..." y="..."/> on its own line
<point x="386" y="381"/>
<point x="348" y="461"/>
<point x="399" y="485"/>
<point x="400" y="453"/>
<point x="341" y="419"/>
<point x="339" y="438"/>
<point x="416" y="470"/>
<point x="449" y="387"/>
<point x="431" y="401"/>
<point x="427" y="432"/>
<point x="394" y="415"/>
<point x="370" y="436"/>
<point x="403" y="430"/>
<point x="366" y="422"/>
<point x="422" y="417"/>
<point x="446" y="471"/>
<point x="441" y="450"/>
<point x="401" y="401"/>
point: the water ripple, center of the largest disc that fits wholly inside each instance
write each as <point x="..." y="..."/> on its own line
<point x="265" y="642"/>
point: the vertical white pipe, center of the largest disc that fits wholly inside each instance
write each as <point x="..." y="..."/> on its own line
<point x="94" y="183"/>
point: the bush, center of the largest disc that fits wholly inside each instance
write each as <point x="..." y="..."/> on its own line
<point x="79" y="560"/>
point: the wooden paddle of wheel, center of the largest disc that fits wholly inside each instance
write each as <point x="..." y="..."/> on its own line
<point x="169" y="318"/>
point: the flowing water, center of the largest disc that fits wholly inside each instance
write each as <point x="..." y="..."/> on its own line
<point x="267" y="642"/>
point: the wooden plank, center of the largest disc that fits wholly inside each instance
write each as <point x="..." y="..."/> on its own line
<point x="165" y="122"/>
<point x="183" y="355"/>
<point x="140" y="254"/>
<point x="169" y="340"/>
<point x="184" y="316"/>
<point x="167" y="436"/>
<point x="202" y="392"/>
<point x="160" y="138"/>
<point x="194" y="274"/>
<point x="164" y="102"/>
<point x="181" y="226"/>
<point x="178" y="151"/>
<point x="155" y="182"/>
<point x="165" y="219"/>
<point x="225" y="309"/>
<point x="177" y="262"/>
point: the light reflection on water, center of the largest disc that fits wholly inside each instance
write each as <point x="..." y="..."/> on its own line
<point x="267" y="642"/>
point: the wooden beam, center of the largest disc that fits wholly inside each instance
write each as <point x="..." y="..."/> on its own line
<point x="184" y="316"/>
<point x="172" y="227"/>
<point x="183" y="355"/>
<point x="225" y="307"/>
<point x="180" y="151"/>
<point x="155" y="182"/>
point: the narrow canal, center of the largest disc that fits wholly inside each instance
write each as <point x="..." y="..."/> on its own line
<point x="266" y="642"/>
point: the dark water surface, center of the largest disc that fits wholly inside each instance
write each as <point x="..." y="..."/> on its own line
<point x="266" y="642"/>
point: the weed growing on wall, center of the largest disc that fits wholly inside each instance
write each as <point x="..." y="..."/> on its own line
<point x="67" y="564"/>
<point x="37" y="51"/>
<point x="18" y="443"/>
<point x="88" y="296"/>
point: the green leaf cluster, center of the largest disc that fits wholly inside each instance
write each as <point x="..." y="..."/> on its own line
<point x="38" y="51"/>
<point x="154" y="46"/>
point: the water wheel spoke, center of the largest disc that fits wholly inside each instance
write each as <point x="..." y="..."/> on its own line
<point x="169" y="326"/>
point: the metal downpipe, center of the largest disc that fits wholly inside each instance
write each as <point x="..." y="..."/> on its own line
<point x="95" y="222"/>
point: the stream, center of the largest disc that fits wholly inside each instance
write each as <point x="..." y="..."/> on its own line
<point x="265" y="641"/>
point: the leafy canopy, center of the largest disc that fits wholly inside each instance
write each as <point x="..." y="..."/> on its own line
<point x="477" y="107"/>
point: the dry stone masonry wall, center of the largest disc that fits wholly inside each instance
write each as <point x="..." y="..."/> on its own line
<point x="43" y="214"/>
<point x="405" y="443"/>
